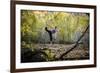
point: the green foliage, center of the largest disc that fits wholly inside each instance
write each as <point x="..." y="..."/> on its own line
<point x="68" y="24"/>
<point x="50" y="56"/>
<point x="25" y="45"/>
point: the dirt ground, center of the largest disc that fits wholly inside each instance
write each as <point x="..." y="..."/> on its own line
<point x="80" y="52"/>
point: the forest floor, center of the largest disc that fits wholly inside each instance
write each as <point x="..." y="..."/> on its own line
<point x="80" y="52"/>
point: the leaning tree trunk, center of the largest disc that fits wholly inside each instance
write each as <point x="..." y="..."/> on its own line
<point x="76" y="44"/>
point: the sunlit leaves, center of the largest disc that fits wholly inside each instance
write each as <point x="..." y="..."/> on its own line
<point x="68" y="24"/>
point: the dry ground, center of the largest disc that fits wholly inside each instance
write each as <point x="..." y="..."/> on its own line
<point x="80" y="52"/>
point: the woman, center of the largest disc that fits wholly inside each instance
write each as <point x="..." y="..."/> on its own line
<point x="51" y="32"/>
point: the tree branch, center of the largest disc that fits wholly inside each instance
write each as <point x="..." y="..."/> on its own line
<point x="61" y="57"/>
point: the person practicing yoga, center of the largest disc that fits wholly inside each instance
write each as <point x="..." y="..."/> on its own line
<point x="51" y="32"/>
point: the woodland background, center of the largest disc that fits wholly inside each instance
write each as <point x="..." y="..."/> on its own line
<point x="70" y="27"/>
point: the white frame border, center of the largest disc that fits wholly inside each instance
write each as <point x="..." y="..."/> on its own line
<point x="58" y="63"/>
